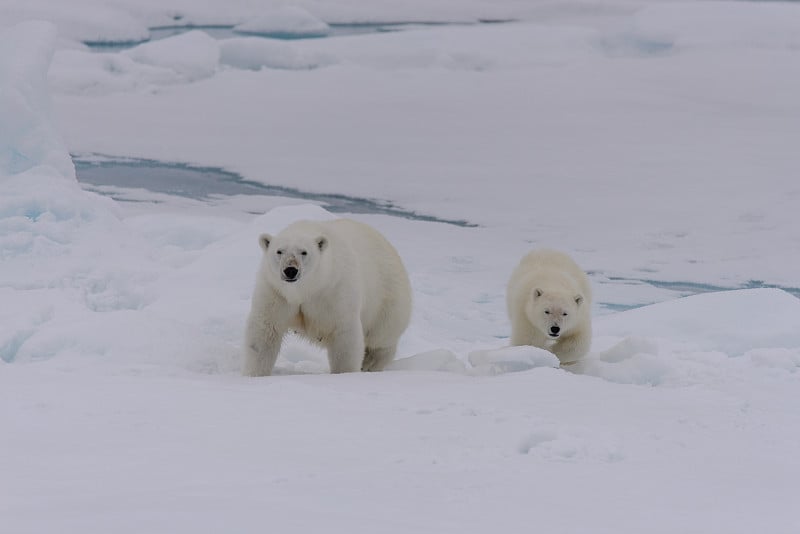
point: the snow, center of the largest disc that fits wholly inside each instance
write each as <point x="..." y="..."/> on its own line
<point x="721" y="24"/>
<point x="656" y="142"/>
<point x="256" y="53"/>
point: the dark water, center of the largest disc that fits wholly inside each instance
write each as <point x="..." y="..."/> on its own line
<point x="632" y="45"/>
<point x="226" y="32"/>
<point x="694" y="288"/>
<point x="203" y="183"/>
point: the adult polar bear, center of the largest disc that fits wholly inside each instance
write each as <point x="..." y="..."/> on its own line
<point x="340" y="284"/>
<point x="549" y="303"/>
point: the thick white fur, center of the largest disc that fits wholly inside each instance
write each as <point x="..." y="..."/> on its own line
<point x="548" y="289"/>
<point x="352" y="296"/>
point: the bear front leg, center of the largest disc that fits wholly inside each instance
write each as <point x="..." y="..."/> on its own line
<point x="262" y="344"/>
<point x="572" y="348"/>
<point x="263" y="338"/>
<point x="522" y="333"/>
<point x="346" y="350"/>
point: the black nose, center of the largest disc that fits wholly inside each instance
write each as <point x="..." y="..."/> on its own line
<point x="554" y="330"/>
<point x="290" y="273"/>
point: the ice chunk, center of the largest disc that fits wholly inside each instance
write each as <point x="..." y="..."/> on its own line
<point x="433" y="360"/>
<point x="510" y="360"/>
<point x="27" y="137"/>
<point x="194" y="55"/>
<point x="289" y="21"/>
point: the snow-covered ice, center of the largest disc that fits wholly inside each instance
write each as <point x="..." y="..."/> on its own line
<point x="655" y="141"/>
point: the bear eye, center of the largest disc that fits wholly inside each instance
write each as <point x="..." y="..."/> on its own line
<point x="547" y="312"/>
<point x="304" y="253"/>
<point x="279" y="252"/>
<point x="564" y="314"/>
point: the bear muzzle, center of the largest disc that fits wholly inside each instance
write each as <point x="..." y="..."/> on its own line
<point x="290" y="274"/>
<point x="554" y="331"/>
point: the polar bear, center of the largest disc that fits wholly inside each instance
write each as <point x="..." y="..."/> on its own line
<point x="338" y="283"/>
<point x="549" y="303"/>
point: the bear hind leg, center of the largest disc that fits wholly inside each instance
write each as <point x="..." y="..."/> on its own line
<point x="376" y="359"/>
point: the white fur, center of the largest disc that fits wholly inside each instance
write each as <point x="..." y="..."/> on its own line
<point x="547" y="290"/>
<point x="351" y="295"/>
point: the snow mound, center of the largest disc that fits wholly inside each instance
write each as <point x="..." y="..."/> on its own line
<point x="279" y="218"/>
<point x="732" y="322"/>
<point x="92" y="73"/>
<point x="634" y="361"/>
<point x="255" y="53"/>
<point x="286" y="21"/>
<point x="193" y="55"/>
<point x="787" y="360"/>
<point x="712" y="338"/>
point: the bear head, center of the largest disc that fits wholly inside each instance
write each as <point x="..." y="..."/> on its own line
<point x="291" y="257"/>
<point x="554" y="312"/>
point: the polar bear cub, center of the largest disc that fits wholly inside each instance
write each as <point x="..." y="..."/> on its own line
<point x="549" y="303"/>
<point x="340" y="284"/>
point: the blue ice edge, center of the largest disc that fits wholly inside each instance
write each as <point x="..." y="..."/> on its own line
<point x="201" y="183"/>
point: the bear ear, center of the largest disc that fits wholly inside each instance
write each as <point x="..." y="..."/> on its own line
<point x="578" y="299"/>
<point x="263" y="240"/>
<point x="537" y="293"/>
<point x="322" y="242"/>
